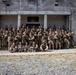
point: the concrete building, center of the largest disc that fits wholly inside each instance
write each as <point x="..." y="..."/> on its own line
<point x="46" y="13"/>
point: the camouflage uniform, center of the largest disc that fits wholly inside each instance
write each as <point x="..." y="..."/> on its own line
<point x="20" y="48"/>
<point x="50" y="42"/>
<point x="39" y="38"/>
<point x="10" y="41"/>
<point x="66" y="42"/>
<point x="57" y="42"/>
<point x="70" y="38"/>
<point x="0" y="40"/>
<point x="13" y="48"/>
<point x="3" y="41"/>
<point x="44" y="46"/>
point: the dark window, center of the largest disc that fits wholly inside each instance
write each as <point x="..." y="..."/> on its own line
<point x="56" y="2"/>
<point x="7" y="2"/>
<point x="32" y="19"/>
<point x="31" y="1"/>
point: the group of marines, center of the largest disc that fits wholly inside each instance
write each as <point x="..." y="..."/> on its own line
<point x="35" y="39"/>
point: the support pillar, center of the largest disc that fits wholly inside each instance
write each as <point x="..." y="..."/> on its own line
<point x="0" y="21"/>
<point x="45" y="21"/>
<point x="70" y="22"/>
<point x="19" y="22"/>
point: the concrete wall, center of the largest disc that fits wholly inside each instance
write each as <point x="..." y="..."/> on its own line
<point x="8" y="20"/>
<point x="73" y="23"/>
<point x="57" y="21"/>
<point x="52" y="20"/>
<point x="26" y="5"/>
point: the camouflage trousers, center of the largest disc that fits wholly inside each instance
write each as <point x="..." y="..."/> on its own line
<point x="9" y="44"/>
<point x="67" y="43"/>
<point x="51" y="44"/>
<point x="58" y="44"/>
<point x="4" y="42"/>
<point x="0" y="43"/>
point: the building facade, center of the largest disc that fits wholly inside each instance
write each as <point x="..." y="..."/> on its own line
<point x="44" y="13"/>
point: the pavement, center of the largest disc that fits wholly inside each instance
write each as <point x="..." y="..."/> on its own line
<point x="55" y="62"/>
<point x="33" y="53"/>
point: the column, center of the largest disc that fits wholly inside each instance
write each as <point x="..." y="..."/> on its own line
<point x="19" y="22"/>
<point x="45" y="21"/>
<point x="0" y="21"/>
<point x="70" y="22"/>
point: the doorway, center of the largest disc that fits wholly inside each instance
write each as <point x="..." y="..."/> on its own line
<point x="31" y="25"/>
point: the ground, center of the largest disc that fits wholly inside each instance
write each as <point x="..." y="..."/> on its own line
<point x="58" y="62"/>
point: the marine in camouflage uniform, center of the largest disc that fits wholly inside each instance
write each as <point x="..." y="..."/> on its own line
<point x="66" y="41"/>
<point x="36" y="38"/>
<point x="10" y="40"/>
<point x="70" y="38"/>
<point x="44" y="46"/>
<point x="33" y="47"/>
<point x="50" y="41"/>
<point x="26" y="47"/>
<point x="0" y="39"/>
<point x="31" y="39"/>
<point x="57" y="41"/>
<point x="20" y="47"/>
<point x="4" y="39"/>
<point x="39" y="38"/>
<point x="13" y="48"/>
